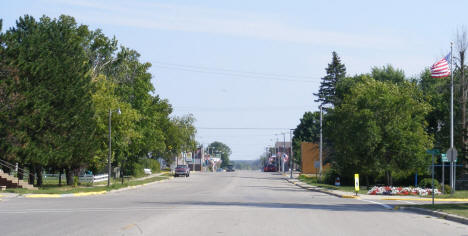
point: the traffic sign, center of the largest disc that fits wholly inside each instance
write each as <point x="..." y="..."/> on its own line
<point x="356" y="182"/>
<point x="452" y="154"/>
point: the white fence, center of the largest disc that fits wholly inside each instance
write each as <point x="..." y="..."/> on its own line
<point x="82" y="179"/>
<point x="93" y="178"/>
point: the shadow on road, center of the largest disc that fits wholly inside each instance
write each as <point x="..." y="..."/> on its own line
<point x="277" y="205"/>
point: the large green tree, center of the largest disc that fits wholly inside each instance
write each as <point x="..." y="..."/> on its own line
<point x="380" y="129"/>
<point x="55" y="119"/>
<point x="335" y="72"/>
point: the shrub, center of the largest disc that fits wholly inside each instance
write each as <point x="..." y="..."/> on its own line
<point x="447" y="189"/>
<point x="151" y="164"/>
<point x="427" y="183"/>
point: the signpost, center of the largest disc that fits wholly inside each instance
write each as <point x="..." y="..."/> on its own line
<point x="433" y="152"/>
<point x="356" y="183"/>
<point x="452" y="157"/>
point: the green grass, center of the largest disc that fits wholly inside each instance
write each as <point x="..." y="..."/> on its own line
<point x="460" y="209"/>
<point x="457" y="194"/>
<point x="64" y="189"/>
<point x="312" y="180"/>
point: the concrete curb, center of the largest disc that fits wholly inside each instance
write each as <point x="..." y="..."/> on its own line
<point x="318" y="189"/>
<point x="443" y="215"/>
<point x="83" y="194"/>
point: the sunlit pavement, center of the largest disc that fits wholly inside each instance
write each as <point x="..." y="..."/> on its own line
<point x="234" y="203"/>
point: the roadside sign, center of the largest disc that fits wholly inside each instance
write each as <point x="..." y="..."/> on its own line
<point x="188" y="157"/>
<point x="317" y="164"/>
<point x="444" y="157"/>
<point x="356" y="182"/>
<point x="452" y="154"/>
<point x="432" y="151"/>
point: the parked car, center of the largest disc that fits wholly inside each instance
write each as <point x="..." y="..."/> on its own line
<point x="220" y="170"/>
<point x="182" y="170"/>
<point x="230" y="168"/>
<point x="269" y="168"/>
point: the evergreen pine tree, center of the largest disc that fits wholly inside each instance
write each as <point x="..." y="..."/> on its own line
<point x="335" y="72"/>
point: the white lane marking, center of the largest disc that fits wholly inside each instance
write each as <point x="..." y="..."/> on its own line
<point x="408" y="202"/>
<point x="378" y="203"/>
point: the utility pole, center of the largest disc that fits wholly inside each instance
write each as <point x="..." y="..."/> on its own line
<point x="321" y="142"/>
<point x="284" y="150"/>
<point x="291" y="154"/>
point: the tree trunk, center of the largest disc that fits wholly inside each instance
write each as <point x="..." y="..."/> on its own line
<point x="31" y="176"/>
<point x="39" y="176"/>
<point x="69" y="176"/>
<point x="388" y="177"/>
<point x="20" y="171"/>
<point x="60" y="176"/>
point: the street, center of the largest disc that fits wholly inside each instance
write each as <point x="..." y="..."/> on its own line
<point x="236" y="203"/>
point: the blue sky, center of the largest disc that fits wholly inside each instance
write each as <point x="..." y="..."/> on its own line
<point x="258" y="63"/>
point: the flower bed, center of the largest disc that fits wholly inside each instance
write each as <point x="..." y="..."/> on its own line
<point x="387" y="190"/>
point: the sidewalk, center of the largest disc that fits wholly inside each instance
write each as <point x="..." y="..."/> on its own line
<point x="344" y="194"/>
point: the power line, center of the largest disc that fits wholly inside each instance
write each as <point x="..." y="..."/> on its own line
<point x="235" y="73"/>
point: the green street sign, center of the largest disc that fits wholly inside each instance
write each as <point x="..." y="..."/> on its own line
<point x="433" y="151"/>
<point x="444" y="158"/>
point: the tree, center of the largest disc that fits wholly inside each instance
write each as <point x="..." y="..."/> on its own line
<point x="381" y="126"/>
<point x="461" y="46"/>
<point x="55" y="118"/>
<point x="335" y="72"/>
<point x="308" y="130"/>
<point x="223" y="149"/>
<point x="388" y="74"/>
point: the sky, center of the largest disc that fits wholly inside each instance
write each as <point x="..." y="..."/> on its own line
<point x="247" y="69"/>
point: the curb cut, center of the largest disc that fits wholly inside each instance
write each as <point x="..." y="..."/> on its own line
<point x="318" y="189"/>
<point x="439" y="214"/>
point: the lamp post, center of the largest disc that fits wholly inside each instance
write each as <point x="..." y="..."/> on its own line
<point x="110" y="146"/>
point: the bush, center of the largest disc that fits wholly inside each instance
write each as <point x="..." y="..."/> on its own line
<point x="447" y="189"/>
<point x="329" y="176"/>
<point x="427" y="183"/>
<point x="152" y="164"/>
<point x="137" y="170"/>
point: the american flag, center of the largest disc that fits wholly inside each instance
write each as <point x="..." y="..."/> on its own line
<point x="441" y="68"/>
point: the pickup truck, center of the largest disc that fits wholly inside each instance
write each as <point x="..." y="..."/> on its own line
<point x="182" y="170"/>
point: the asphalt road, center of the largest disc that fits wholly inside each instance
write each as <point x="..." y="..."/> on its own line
<point x="239" y="203"/>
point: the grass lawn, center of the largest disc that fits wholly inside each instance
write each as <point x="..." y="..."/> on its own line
<point x="312" y="180"/>
<point x="457" y="194"/>
<point x="116" y="184"/>
<point x="460" y="209"/>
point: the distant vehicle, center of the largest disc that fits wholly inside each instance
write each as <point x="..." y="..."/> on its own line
<point x="269" y="168"/>
<point x="147" y="171"/>
<point x="182" y="170"/>
<point x="230" y="168"/>
<point x="220" y="170"/>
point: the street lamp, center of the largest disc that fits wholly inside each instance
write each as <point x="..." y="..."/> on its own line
<point x="110" y="145"/>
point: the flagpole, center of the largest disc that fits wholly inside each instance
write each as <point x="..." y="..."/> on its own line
<point x="452" y="177"/>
